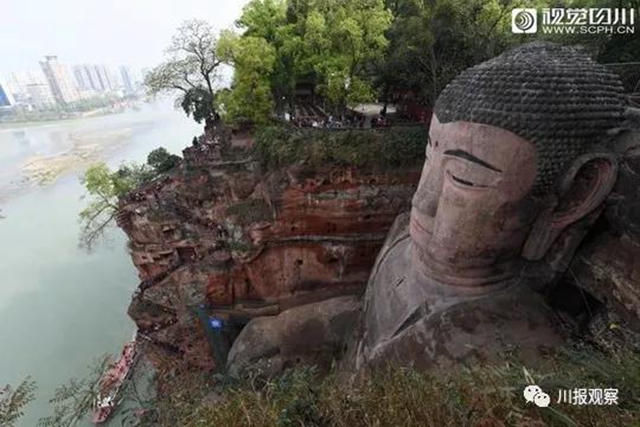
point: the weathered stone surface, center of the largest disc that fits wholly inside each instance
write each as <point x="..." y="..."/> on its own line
<point x="222" y="238"/>
<point x="624" y="210"/>
<point x="609" y="269"/>
<point x="438" y="324"/>
<point x="511" y="184"/>
<point x="482" y="329"/>
<point x="309" y="334"/>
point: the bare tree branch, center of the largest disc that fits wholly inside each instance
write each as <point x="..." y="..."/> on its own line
<point x="190" y="66"/>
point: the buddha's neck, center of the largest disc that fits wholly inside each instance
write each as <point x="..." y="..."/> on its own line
<point x="494" y="276"/>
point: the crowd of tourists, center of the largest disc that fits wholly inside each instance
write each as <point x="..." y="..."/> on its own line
<point x="350" y="120"/>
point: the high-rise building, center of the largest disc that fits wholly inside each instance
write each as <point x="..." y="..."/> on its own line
<point x="57" y="75"/>
<point x="82" y="78"/>
<point x="98" y="78"/>
<point x="127" y="81"/>
<point x="106" y="78"/>
<point x="92" y="77"/>
<point x="89" y="76"/>
<point x="17" y="80"/>
<point x="87" y="81"/>
<point x="6" y="99"/>
<point x="39" y="95"/>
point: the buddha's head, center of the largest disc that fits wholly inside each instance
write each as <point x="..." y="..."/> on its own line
<point x="517" y="154"/>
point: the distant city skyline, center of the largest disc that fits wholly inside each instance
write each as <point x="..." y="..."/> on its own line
<point x="57" y="83"/>
<point x="59" y="79"/>
<point x="118" y="32"/>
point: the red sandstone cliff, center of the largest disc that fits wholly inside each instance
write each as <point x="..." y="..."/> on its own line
<point x="227" y="239"/>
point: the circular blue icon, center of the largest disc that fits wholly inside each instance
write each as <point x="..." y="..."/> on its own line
<point x="215" y="322"/>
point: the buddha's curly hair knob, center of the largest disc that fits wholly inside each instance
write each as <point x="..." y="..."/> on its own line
<point x="555" y="96"/>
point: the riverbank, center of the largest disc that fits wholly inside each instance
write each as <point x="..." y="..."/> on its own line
<point x="87" y="148"/>
<point x="60" y="307"/>
<point x="41" y="153"/>
<point x="34" y="118"/>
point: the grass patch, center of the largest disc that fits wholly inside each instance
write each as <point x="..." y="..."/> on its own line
<point x="278" y="146"/>
<point x="481" y="396"/>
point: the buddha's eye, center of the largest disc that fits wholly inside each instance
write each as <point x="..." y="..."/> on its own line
<point x="466" y="171"/>
<point x="472" y="179"/>
<point x="463" y="181"/>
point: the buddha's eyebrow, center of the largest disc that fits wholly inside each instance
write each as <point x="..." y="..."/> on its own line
<point x="470" y="157"/>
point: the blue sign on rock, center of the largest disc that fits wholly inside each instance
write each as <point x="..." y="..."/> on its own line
<point x="215" y="322"/>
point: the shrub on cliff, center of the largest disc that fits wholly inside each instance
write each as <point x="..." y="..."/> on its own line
<point x="161" y="160"/>
<point x="105" y="187"/>
<point x="278" y="146"/>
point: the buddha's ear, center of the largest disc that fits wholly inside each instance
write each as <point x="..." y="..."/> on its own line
<point x="582" y="189"/>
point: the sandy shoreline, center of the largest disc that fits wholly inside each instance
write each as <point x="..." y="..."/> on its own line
<point x="87" y="148"/>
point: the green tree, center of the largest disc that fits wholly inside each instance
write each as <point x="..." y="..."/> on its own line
<point x="250" y="98"/>
<point x="341" y="39"/>
<point x="267" y="19"/>
<point x="105" y="188"/>
<point x="432" y="42"/>
<point x="72" y="402"/>
<point x="161" y="160"/>
<point x="606" y="48"/>
<point x="14" y="400"/>
<point x="328" y="43"/>
<point x="190" y="70"/>
<point x="197" y="102"/>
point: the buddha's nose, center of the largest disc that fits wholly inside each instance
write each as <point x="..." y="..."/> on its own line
<point x="427" y="196"/>
<point x="431" y="205"/>
<point x="426" y="203"/>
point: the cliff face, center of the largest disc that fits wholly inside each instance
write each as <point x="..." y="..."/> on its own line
<point x="227" y="240"/>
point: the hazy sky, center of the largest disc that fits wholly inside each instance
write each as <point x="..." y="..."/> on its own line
<point x="132" y="32"/>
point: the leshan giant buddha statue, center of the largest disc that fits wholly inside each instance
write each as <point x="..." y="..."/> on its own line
<point x="516" y="168"/>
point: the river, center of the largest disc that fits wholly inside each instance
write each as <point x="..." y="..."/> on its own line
<point x="61" y="307"/>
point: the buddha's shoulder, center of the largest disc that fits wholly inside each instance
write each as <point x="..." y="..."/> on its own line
<point x="390" y="265"/>
<point x="398" y="232"/>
